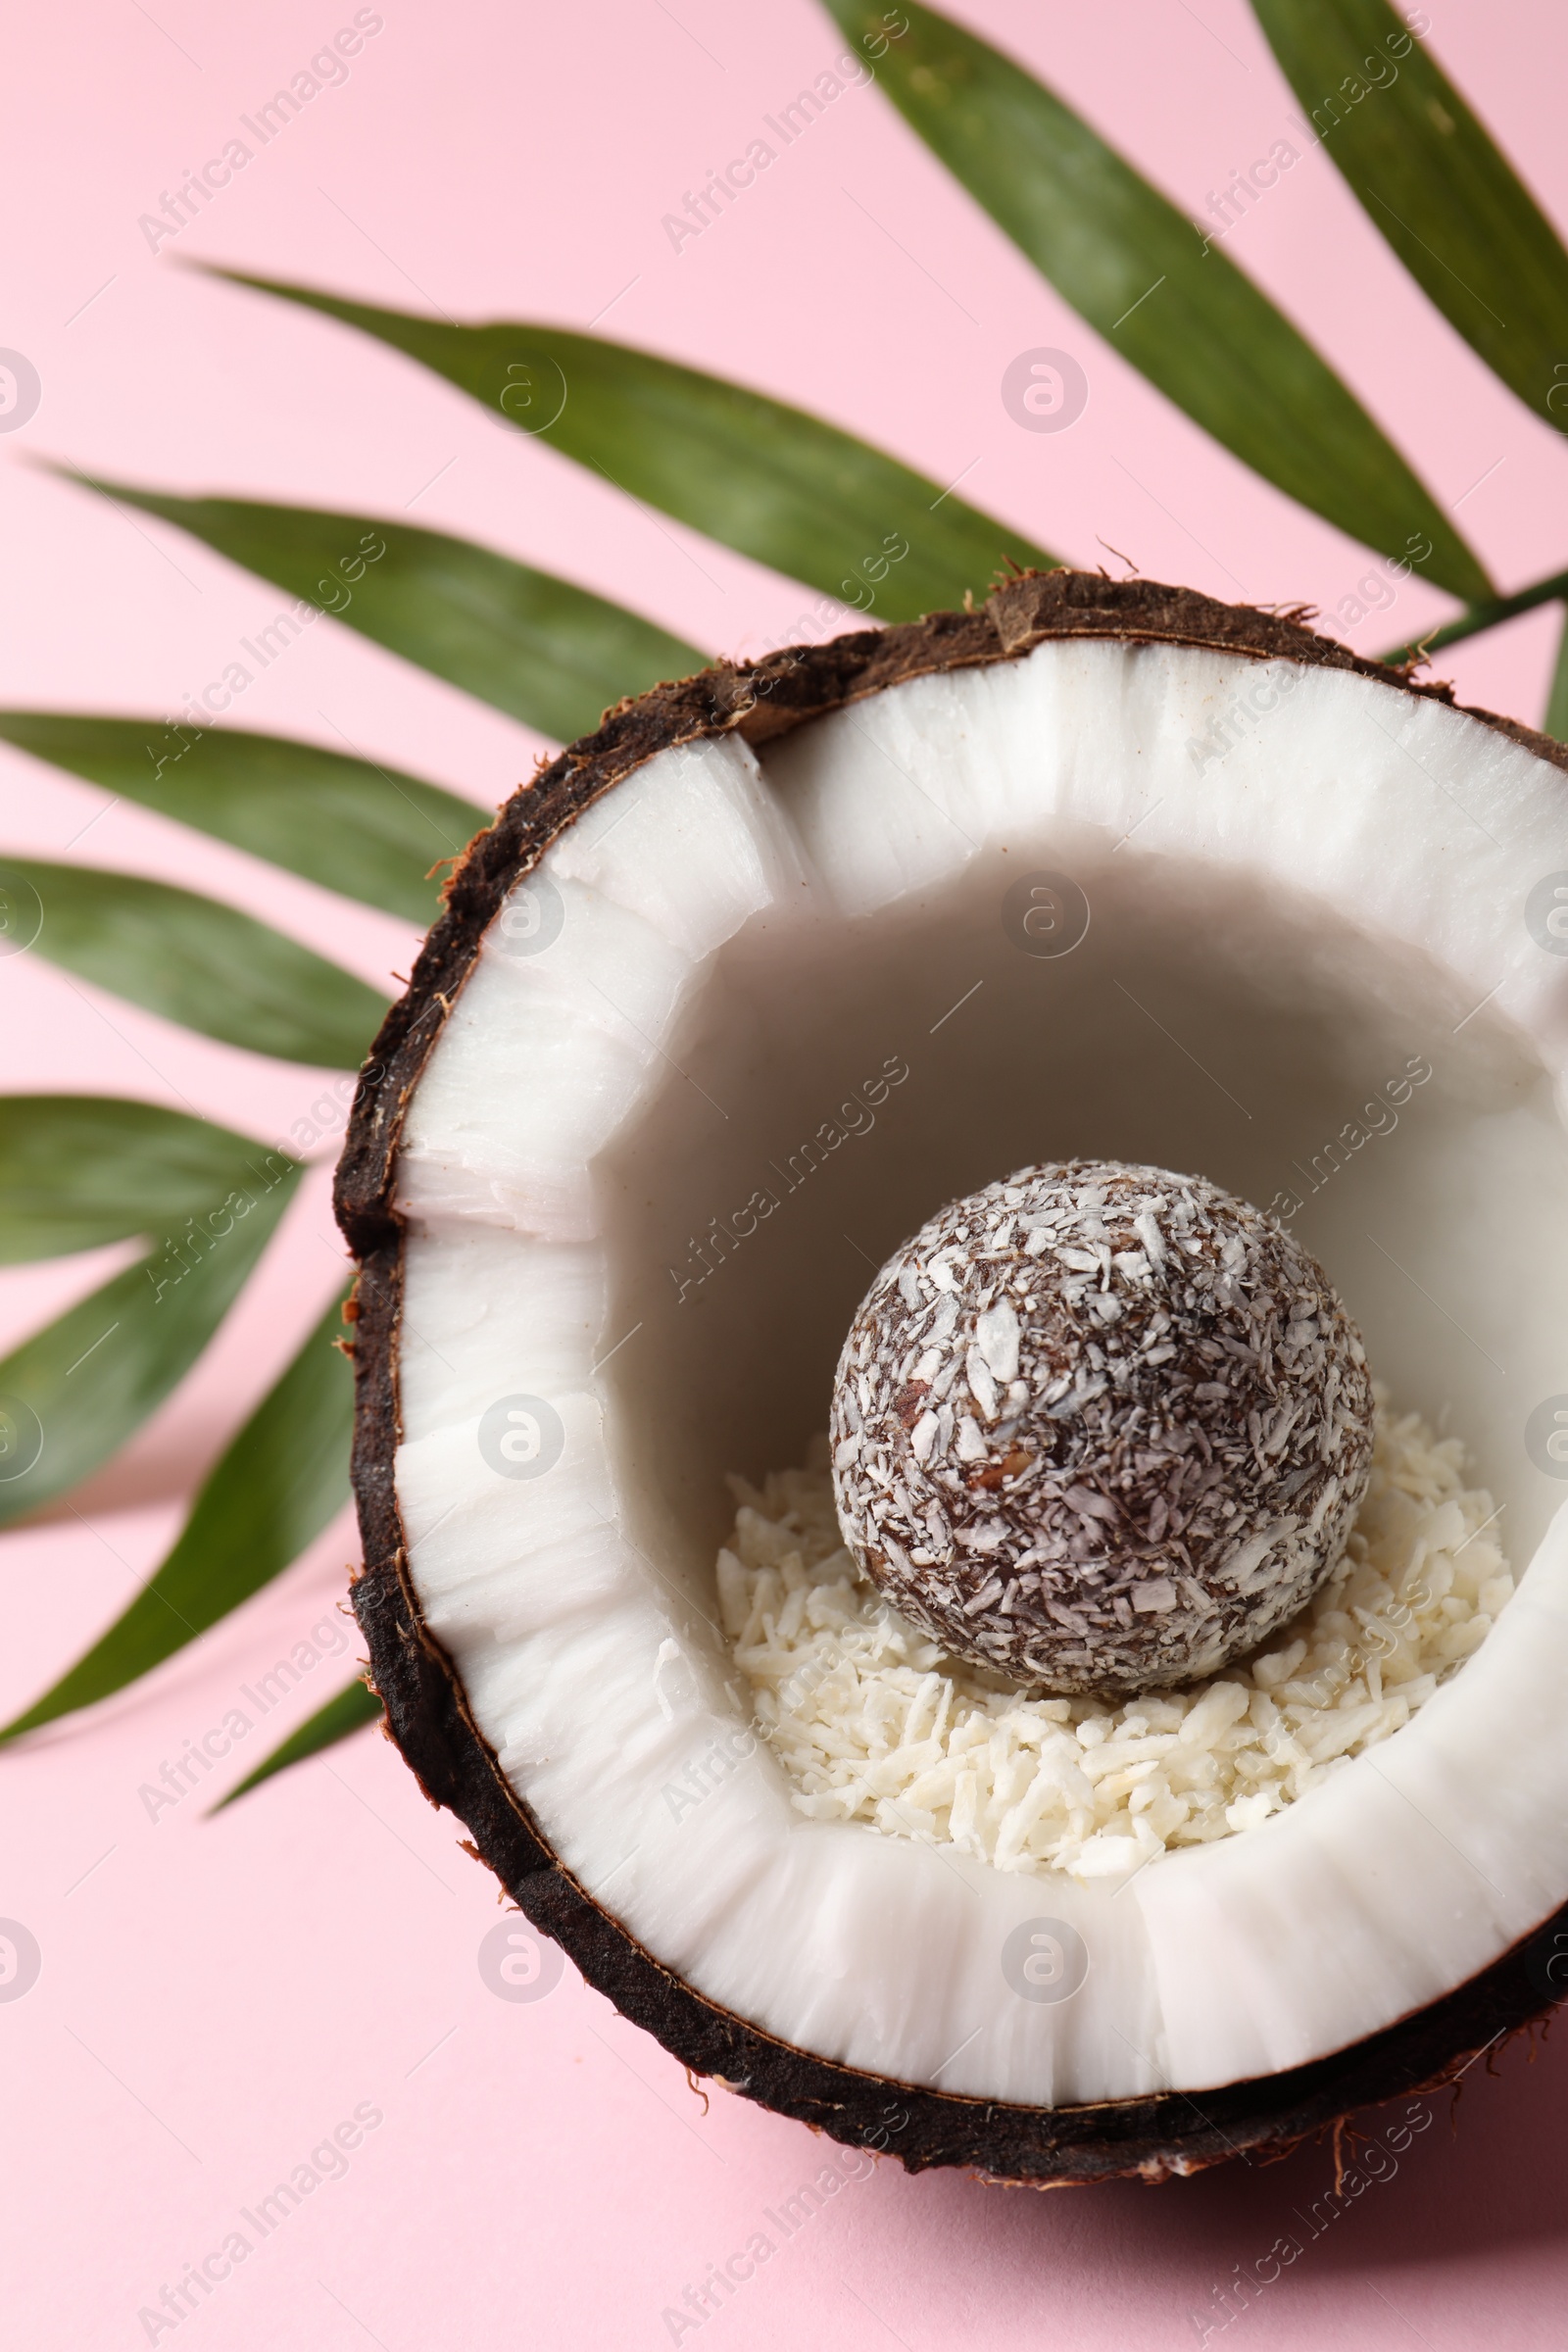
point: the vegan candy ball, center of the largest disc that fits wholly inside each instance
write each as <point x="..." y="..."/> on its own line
<point x="1101" y="1428"/>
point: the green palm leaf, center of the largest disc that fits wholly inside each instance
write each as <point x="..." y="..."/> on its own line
<point x="350" y="1711"/>
<point x="73" y="1394"/>
<point x="1487" y="616"/>
<point x="1428" y="175"/>
<point x="80" y="1171"/>
<point x="198" y="962"/>
<point x="370" y="832"/>
<point x="547" y="652"/>
<point x="783" y="487"/>
<point x="271" y="1494"/>
<point x="1130" y="264"/>
<point x="1555" y="722"/>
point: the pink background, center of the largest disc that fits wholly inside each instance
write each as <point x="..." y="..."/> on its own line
<point x="215" y="1996"/>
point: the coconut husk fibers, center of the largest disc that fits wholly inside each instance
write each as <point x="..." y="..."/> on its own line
<point x="426" y="1709"/>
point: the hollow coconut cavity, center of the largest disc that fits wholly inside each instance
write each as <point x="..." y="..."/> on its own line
<point x="728" y="1003"/>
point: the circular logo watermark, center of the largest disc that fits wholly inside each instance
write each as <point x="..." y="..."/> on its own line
<point x="1044" y="914"/>
<point x="1547" y="1437"/>
<point x="21" y="1438"/>
<point x="1546" y="1964"/>
<point x="20" y="391"/>
<point x="21" y="911"/>
<point x="517" y="1963"/>
<point x="1045" y="391"/>
<point x="1045" y="1960"/>
<point x="521" y="1437"/>
<point x="532" y="916"/>
<point x="534" y="393"/>
<point x="1546" y="913"/>
<point x="20" y="1960"/>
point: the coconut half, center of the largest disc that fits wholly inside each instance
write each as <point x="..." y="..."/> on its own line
<point x="733" y="996"/>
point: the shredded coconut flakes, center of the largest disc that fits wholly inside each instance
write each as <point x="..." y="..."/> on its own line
<point x="873" y="1722"/>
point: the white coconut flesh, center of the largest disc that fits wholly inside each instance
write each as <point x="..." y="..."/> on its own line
<point x="746" y="951"/>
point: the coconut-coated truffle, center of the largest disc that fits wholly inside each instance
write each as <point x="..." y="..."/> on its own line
<point x="1101" y="1428"/>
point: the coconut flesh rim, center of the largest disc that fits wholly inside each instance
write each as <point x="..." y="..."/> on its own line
<point x="711" y="967"/>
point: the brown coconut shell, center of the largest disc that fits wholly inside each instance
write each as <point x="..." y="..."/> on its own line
<point x="428" y="1714"/>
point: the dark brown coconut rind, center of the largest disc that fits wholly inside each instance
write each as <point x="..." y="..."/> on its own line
<point x="428" y="1714"/>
